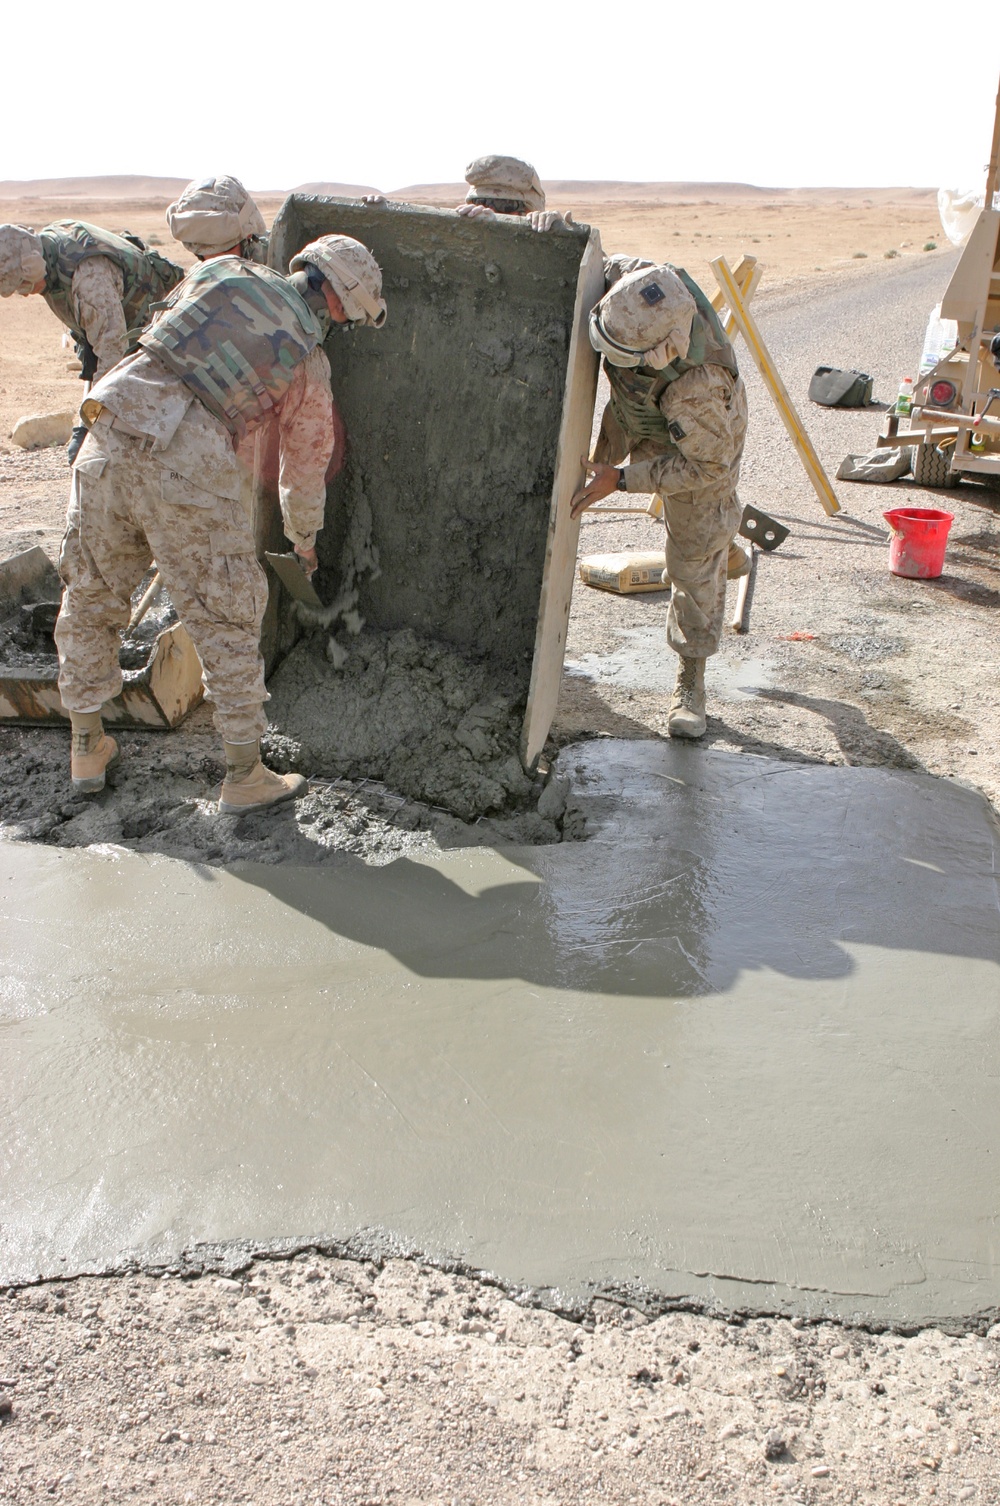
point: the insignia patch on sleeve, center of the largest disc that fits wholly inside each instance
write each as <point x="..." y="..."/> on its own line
<point x="676" y="432"/>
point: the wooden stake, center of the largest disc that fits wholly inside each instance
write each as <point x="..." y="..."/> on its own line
<point x="746" y="275"/>
<point x="747" y="326"/>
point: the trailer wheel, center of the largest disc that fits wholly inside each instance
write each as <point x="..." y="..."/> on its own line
<point x="932" y="467"/>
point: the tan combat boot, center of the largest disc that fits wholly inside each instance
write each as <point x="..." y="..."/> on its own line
<point x="738" y="562"/>
<point x="92" y="752"/>
<point x="686" y="717"/>
<point x="249" y="786"/>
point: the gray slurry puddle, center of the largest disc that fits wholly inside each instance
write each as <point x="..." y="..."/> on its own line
<point x="739" y="1048"/>
<point x="643" y="662"/>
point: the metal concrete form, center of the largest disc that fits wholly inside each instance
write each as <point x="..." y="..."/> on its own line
<point x="467" y="416"/>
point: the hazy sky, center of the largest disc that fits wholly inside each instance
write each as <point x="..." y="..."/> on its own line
<point x="391" y="94"/>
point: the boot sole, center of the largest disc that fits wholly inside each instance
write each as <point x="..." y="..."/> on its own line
<point x="227" y="809"/>
<point x="95" y="784"/>
<point x="679" y="732"/>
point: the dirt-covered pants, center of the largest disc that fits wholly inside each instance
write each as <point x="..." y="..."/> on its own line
<point x="698" y="537"/>
<point x="125" y="511"/>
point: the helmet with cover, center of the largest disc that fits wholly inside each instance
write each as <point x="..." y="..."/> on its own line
<point x="214" y="215"/>
<point x="352" y="272"/>
<point x="22" y="265"/>
<point x="505" y="184"/>
<point x="644" y="320"/>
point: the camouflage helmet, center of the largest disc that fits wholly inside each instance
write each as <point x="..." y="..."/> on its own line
<point x="504" y="178"/>
<point x="22" y="265"/>
<point x="644" y="320"/>
<point x="352" y="272"/>
<point x="214" y="215"/>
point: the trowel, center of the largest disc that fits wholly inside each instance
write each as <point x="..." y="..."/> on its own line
<point x="764" y="531"/>
<point x="288" y="568"/>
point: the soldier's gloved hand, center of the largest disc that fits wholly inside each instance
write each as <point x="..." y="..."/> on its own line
<point x="477" y="212"/>
<point x="547" y="219"/>
<point x="79" y="434"/>
<point x="373" y="198"/>
<point x="309" y="560"/>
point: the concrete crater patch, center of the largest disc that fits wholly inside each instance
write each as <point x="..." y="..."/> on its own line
<point x="738" y="1049"/>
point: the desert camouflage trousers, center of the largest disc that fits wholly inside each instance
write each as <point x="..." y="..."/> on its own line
<point x="698" y="538"/>
<point x="125" y="511"/>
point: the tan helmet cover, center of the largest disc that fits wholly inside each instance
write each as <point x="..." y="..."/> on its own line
<point x="22" y="265"/>
<point x="644" y="320"/>
<point x="504" y="178"/>
<point x="214" y="215"/>
<point x="352" y="272"/>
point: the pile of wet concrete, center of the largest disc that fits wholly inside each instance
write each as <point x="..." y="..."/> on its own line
<point x="410" y="711"/>
<point x="162" y="797"/>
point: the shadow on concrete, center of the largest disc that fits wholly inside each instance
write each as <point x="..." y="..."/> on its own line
<point x="699" y="868"/>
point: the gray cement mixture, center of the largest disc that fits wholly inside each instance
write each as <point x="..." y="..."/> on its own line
<point x="26" y="640"/>
<point x="423" y="718"/>
<point x="737" y="1051"/>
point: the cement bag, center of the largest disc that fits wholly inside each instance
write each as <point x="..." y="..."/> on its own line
<point x="959" y="210"/>
<point x="625" y="573"/>
<point x="879" y="467"/>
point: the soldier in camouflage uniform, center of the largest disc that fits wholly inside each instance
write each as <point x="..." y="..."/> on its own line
<point x="161" y="475"/>
<point x="502" y="188"/>
<point x="678" y="410"/>
<point x="217" y="217"/>
<point x="100" y="285"/>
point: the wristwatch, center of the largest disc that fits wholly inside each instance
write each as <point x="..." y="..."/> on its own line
<point x="622" y="483"/>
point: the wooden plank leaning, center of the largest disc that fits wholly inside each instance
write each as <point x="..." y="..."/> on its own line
<point x="747" y="326"/>
<point x="564" y="531"/>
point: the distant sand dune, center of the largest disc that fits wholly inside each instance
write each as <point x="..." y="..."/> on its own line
<point x="130" y="187"/>
<point x="603" y="190"/>
<point x="137" y="187"/>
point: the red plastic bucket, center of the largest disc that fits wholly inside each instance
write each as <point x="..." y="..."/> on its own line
<point x="919" y="536"/>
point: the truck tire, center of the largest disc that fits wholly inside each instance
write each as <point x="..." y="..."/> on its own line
<point x="932" y="467"/>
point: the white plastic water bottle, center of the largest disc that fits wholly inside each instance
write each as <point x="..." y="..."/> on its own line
<point x="940" y="340"/>
<point x="904" y="402"/>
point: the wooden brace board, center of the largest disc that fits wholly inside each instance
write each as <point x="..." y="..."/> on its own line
<point x="747" y="326"/>
<point x="564" y="531"/>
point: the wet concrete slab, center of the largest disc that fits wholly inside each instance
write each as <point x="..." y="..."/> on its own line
<point x="740" y="1047"/>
